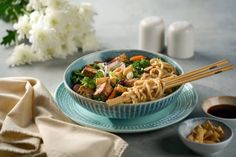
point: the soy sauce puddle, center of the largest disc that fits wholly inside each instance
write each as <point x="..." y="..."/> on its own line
<point x="223" y="111"/>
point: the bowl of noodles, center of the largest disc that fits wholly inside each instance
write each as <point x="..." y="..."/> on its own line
<point x="123" y="83"/>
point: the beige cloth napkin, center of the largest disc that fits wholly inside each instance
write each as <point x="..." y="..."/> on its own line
<point x="32" y="125"/>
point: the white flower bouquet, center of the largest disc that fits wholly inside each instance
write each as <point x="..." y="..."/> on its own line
<point x="53" y="29"/>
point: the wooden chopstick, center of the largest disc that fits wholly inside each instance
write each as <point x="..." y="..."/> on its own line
<point x="194" y="77"/>
<point x="197" y="71"/>
<point x="199" y="76"/>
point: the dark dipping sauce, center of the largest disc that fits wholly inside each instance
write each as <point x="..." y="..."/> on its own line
<point x="223" y="111"/>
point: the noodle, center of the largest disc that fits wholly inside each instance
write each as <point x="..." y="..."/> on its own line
<point x="149" y="86"/>
<point x="124" y="80"/>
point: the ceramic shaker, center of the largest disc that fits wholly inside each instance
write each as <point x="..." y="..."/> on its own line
<point x="151" y="34"/>
<point x="180" y="40"/>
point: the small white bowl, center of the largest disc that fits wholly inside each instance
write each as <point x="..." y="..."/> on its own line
<point x="205" y="149"/>
<point x="213" y="101"/>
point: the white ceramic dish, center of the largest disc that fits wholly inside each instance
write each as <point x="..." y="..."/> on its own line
<point x="205" y="149"/>
<point x="213" y="101"/>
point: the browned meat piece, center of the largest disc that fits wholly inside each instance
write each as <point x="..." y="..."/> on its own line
<point x="118" y="100"/>
<point x="100" y="88"/>
<point x="96" y="62"/>
<point x="85" y="91"/>
<point x="105" y="88"/>
<point x="121" y="58"/>
<point x="89" y="71"/>
<point x="101" y="80"/>
<point x="130" y="83"/>
<point x="108" y="89"/>
<point x="120" y="88"/>
<point x="114" y="65"/>
<point x="113" y="80"/>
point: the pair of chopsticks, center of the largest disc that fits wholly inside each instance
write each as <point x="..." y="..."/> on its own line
<point x="206" y="71"/>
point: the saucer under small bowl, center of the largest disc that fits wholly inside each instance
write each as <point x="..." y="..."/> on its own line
<point x="202" y="148"/>
<point x="221" y="111"/>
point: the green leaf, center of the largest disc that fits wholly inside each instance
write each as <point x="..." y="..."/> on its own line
<point x="95" y="66"/>
<point x="9" y="38"/>
<point x="99" y="74"/>
<point x="77" y="76"/>
<point x="10" y="10"/>
<point x="100" y="97"/>
<point x="88" y="82"/>
<point x="140" y="65"/>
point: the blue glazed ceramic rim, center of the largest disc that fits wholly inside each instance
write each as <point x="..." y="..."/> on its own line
<point x="177" y="111"/>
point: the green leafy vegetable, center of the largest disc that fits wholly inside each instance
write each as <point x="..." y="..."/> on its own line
<point x="140" y="65"/>
<point x="10" y="10"/>
<point x="118" y="94"/>
<point x="94" y="66"/>
<point x="88" y="82"/>
<point x="77" y="76"/>
<point x="127" y="63"/>
<point x="10" y="38"/>
<point x="111" y="73"/>
<point x="99" y="74"/>
<point x="100" y="97"/>
<point x="135" y="73"/>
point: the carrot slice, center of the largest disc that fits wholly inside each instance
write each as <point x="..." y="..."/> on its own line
<point x="113" y="94"/>
<point x="136" y="58"/>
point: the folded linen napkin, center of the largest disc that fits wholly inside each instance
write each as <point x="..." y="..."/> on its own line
<point x="32" y="125"/>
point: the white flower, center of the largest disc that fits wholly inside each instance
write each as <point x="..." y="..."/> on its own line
<point x="36" y="5"/>
<point x="53" y="19"/>
<point x="35" y="17"/>
<point x="55" y="29"/>
<point x="87" y="12"/>
<point x="57" y="4"/>
<point x="22" y="54"/>
<point x="46" y="43"/>
<point x="69" y="45"/>
<point x="90" y="43"/>
<point x="23" y="27"/>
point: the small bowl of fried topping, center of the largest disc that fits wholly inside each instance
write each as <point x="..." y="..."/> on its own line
<point x="205" y="135"/>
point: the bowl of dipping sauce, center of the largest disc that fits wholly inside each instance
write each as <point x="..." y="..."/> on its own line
<point x="222" y="108"/>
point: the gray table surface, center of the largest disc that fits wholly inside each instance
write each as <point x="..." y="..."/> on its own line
<point x="117" y="27"/>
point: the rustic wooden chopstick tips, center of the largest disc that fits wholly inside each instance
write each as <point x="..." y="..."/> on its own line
<point x="209" y="70"/>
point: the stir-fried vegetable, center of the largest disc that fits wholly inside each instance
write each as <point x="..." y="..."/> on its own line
<point x="77" y="76"/>
<point x="140" y="65"/>
<point x="136" y="58"/>
<point x="88" y="82"/>
<point x="99" y="74"/>
<point x="109" y="79"/>
<point x="100" y="97"/>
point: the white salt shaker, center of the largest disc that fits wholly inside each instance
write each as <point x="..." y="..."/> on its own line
<point x="151" y="34"/>
<point x="180" y="40"/>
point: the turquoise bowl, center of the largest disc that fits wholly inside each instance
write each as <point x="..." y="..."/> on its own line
<point x="122" y="111"/>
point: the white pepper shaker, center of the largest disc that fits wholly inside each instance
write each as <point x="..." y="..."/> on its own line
<point x="151" y="34"/>
<point x="180" y="40"/>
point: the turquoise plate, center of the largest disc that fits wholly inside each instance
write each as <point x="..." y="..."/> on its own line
<point x="175" y="112"/>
